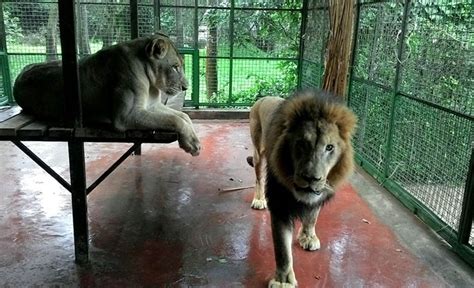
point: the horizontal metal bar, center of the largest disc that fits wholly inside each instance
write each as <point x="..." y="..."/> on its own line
<point x="234" y="8"/>
<point x="422" y="101"/>
<point x="248" y="58"/>
<point x="43" y="165"/>
<point x="436" y="106"/>
<point x="112" y="168"/>
<point x="373" y="83"/>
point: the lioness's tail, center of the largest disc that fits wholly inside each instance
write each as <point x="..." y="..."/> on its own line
<point x="250" y="160"/>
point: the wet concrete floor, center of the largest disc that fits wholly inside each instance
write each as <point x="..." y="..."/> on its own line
<point x="166" y="219"/>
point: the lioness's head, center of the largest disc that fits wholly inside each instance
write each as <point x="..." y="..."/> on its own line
<point x="167" y="65"/>
<point x="314" y="151"/>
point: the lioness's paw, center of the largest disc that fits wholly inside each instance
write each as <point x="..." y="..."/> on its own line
<point x="259" y="204"/>
<point x="190" y="143"/>
<point x="275" y="284"/>
<point x="308" y="242"/>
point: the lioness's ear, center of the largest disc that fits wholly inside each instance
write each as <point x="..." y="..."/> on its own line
<point x="156" y="48"/>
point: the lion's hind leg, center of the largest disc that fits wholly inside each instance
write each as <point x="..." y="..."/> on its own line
<point x="307" y="234"/>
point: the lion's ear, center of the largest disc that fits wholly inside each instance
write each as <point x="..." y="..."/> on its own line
<point x="347" y="122"/>
<point x="156" y="48"/>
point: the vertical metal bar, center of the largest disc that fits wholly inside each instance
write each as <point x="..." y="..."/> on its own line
<point x="304" y="21"/>
<point x="133" y="19"/>
<point x="157" y="14"/>
<point x="196" y="59"/>
<point x="467" y="214"/>
<point x="355" y="35"/>
<point x="396" y="87"/>
<point x="79" y="200"/>
<point x="138" y="150"/>
<point x="231" y="48"/>
<point x="7" y="88"/>
<point x="72" y="93"/>
<point x="195" y="96"/>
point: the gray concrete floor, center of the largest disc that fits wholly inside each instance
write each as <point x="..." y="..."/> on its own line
<point x="422" y="241"/>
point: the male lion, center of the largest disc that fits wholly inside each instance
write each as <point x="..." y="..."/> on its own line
<point x="306" y="142"/>
<point x="120" y="85"/>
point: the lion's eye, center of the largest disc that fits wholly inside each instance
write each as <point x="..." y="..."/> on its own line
<point x="176" y="68"/>
<point x="329" y="147"/>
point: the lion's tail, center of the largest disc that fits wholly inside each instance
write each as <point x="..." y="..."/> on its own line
<point x="250" y="160"/>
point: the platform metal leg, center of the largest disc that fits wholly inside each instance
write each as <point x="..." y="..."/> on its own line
<point x="79" y="201"/>
<point x="138" y="151"/>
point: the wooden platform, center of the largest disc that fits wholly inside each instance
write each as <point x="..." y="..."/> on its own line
<point x="15" y="125"/>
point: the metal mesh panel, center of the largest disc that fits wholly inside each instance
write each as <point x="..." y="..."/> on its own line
<point x="102" y="24"/>
<point x="188" y="71"/>
<point x="252" y="79"/>
<point x="34" y="23"/>
<point x="3" y="96"/>
<point x="178" y="24"/>
<point x="213" y="32"/>
<point x="146" y="19"/>
<point x="440" y="53"/>
<point x="317" y="29"/>
<point x="266" y="33"/>
<point x="377" y="42"/>
<point x="427" y="148"/>
<point x="311" y="74"/>
<point x="372" y="106"/>
<point x="210" y="91"/>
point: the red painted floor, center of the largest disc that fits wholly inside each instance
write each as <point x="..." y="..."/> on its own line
<point x="162" y="220"/>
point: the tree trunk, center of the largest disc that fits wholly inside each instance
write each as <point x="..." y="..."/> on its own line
<point x="84" y="47"/>
<point x="51" y="34"/>
<point x="338" y="49"/>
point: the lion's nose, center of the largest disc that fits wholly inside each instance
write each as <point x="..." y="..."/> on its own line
<point x="184" y="87"/>
<point x="311" y="178"/>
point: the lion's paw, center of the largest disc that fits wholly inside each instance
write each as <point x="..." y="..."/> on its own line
<point x="308" y="242"/>
<point x="275" y="284"/>
<point x="259" y="204"/>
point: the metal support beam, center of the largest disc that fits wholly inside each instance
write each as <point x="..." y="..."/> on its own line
<point x="102" y="177"/>
<point x="42" y="164"/>
<point x="73" y="103"/>
<point x="467" y="214"/>
<point x="134" y="19"/>
<point x="79" y="200"/>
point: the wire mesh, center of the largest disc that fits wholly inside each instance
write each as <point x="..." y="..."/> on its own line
<point x="372" y="105"/>
<point x="266" y="33"/>
<point x="214" y="89"/>
<point x="377" y="42"/>
<point x="439" y="66"/>
<point x="428" y="149"/>
<point x="314" y="40"/>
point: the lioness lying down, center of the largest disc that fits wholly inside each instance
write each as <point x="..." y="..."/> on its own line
<point x="120" y="85"/>
<point x="306" y="142"/>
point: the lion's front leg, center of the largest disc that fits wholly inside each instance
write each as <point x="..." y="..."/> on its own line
<point x="307" y="234"/>
<point x="259" y="201"/>
<point x="282" y="232"/>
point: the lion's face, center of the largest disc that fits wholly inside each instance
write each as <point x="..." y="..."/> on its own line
<point x="315" y="149"/>
<point x="168" y="63"/>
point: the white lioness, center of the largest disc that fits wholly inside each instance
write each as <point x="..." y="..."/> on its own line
<point x="120" y="85"/>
